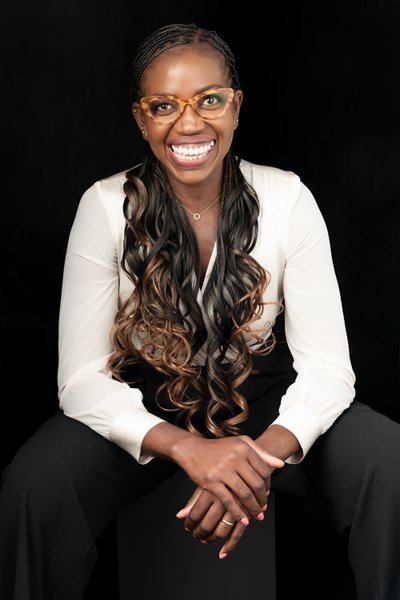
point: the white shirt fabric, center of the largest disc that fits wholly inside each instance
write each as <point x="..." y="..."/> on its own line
<point x="293" y="245"/>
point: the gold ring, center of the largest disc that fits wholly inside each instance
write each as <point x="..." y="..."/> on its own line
<point x="227" y="522"/>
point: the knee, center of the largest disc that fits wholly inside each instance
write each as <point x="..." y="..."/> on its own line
<point x="382" y="455"/>
<point x="32" y="485"/>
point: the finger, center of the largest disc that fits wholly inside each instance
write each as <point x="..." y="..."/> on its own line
<point x="198" y="510"/>
<point x="230" y="503"/>
<point x="245" y="494"/>
<point x="259" y="487"/>
<point x="232" y="542"/>
<point x="224" y="528"/>
<point x="191" y="502"/>
<point x="206" y="528"/>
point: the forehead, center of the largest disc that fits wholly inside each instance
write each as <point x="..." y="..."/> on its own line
<point x="185" y="70"/>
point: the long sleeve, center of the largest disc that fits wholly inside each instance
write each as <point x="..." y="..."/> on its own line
<point x="89" y="301"/>
<point x="315" y="328"/>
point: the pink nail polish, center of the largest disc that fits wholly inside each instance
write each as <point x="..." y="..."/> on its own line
<point x="244" y="521"/>
<point x="260" y="517"/>
<point x="264" y="507"/>
<point x="186" y="529"/>
<point x="204" y="542"/>
<point x="223" y="555"/>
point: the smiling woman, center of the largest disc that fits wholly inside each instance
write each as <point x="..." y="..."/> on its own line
<point x="175" y="274"/>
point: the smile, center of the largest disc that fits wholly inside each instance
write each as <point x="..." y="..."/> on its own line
<point x="192" y="152"/>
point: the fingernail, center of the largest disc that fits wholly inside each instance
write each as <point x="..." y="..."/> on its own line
<point x="268" y="492"/>
<point x="223" y="555"/>
<point x="244" y="521"/>
<point x="180" y="513"/>
<point x="260" y="517"/>
<point x="264" y="507"/>
<point x="204" y="541"/>
<point x="186" y="529"/>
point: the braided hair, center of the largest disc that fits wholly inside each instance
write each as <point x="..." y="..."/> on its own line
<point x="162" y="260"/>
<point x="170" y="36"/>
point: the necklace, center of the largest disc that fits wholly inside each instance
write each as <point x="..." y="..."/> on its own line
<point x="196" y="216"/>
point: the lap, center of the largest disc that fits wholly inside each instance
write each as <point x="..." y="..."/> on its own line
<point x="64" y="454"/>
<point x="362" y="446"/>
<point x="360" y="441"/>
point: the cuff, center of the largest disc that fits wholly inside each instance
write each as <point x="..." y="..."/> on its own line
<point x="304" y="424"/>
<point x="129" y="429"/>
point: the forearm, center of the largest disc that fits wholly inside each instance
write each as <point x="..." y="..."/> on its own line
<point x="168" y="441"/>
<point x="165" y="440"/>
<point x="279" y="442"/>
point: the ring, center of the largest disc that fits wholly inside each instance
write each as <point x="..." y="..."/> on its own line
<point x="227" y="522"/>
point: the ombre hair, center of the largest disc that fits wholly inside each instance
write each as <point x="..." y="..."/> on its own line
<point x="162" y="322"/>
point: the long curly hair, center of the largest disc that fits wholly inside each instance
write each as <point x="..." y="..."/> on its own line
<point x="162" y="321"/>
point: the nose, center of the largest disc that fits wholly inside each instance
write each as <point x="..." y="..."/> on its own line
<point x="189" y="120"/>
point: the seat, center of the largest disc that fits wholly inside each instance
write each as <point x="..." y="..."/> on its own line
<point x="158" y="559"/>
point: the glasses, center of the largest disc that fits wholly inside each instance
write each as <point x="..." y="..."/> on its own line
<point x="211" y="104"/>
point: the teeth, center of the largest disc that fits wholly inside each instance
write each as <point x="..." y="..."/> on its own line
<point x="187" y="152"/>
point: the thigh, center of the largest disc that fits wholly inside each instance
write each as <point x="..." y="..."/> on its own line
<point x="65" y="454"/>
<point x="359" y="453"/>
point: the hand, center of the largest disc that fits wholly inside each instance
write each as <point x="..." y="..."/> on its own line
<point x="236" y="470"/>
<point x="211" y="527"/>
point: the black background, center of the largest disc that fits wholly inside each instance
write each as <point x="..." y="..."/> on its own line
<point x="321" y="97"/>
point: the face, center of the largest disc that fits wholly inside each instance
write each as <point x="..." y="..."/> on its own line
<point x="184" y="72"/>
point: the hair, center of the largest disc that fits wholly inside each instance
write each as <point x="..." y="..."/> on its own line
<point x="174" y="35"/>
<point x="162" y="322"/>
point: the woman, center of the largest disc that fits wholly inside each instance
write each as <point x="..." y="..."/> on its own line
<point x="175" y="274"/>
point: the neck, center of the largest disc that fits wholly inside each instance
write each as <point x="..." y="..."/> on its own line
<point x="197" y="197"/>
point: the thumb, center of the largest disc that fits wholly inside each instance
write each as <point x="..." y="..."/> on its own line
<point x="272" y="461"/>
<point x="183" y="513"/>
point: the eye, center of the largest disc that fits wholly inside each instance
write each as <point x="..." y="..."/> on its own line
<point x="212" y="101"/>
<point x="162" y="107"/>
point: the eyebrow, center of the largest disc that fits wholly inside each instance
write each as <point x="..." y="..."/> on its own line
<point x="203" y="89"/>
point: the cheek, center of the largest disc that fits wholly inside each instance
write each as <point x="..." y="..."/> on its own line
<point x="227" y="129"/>
<point x="155" y="137"/>
<point x="229" y="122"/>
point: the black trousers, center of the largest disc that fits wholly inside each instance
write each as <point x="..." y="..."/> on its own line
<point x="67" y="483"/>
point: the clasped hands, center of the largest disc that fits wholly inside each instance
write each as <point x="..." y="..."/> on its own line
<point x="233" y="477"/>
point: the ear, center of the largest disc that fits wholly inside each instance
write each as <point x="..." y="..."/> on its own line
<point x="139" y="118"/>
<point x="237" y="103"/>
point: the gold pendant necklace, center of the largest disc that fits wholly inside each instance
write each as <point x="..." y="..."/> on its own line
<point x="197" y="215"/>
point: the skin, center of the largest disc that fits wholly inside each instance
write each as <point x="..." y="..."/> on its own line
<point x="233" y="474"/>
<point x="179" y="72"/>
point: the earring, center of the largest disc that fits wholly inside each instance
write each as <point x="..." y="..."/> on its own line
<point x="143" y="131"/>
<point x="237" y="122"/>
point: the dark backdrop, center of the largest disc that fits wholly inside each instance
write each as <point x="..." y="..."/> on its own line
<point x="322" y="95"/>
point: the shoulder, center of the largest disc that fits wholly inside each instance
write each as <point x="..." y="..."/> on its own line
<point x="280" y="192"/>
<point x="100" y="206"/>
<point x="105" y="195"/>
<point x="110" y="190"/>
<point x="270" y="179"/>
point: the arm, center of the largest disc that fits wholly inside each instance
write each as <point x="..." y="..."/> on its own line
<point x="91" y="287"/>
<point x="315" y="332"/>
<point x="89" y="300"/>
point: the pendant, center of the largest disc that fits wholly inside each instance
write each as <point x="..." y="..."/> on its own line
<point x="196" y="216"/>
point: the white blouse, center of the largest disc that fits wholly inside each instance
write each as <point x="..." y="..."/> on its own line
<point x="293" y="245"/>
